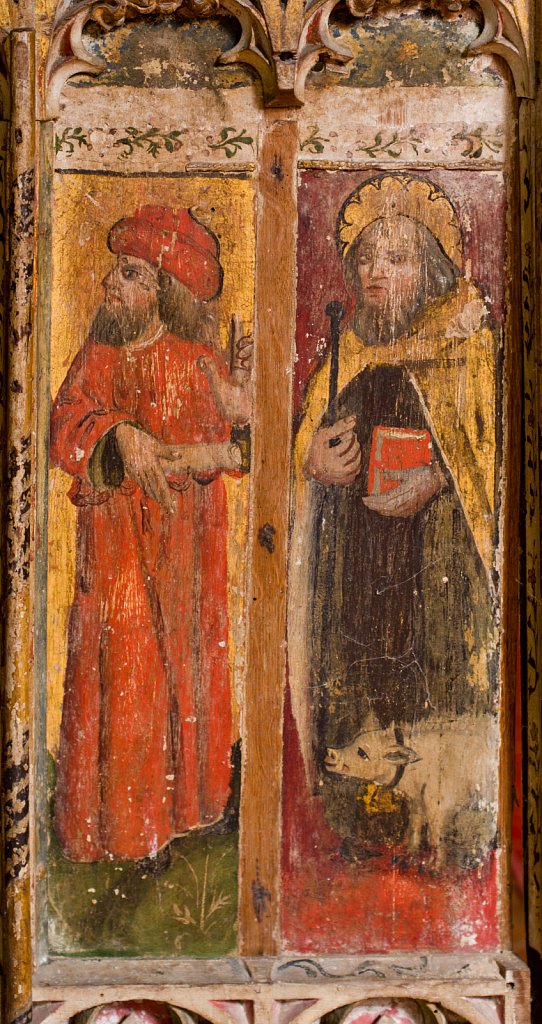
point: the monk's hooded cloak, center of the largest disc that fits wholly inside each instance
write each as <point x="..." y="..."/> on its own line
<point x="393" y="617"/>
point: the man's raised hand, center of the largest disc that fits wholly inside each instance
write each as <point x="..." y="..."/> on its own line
<point x="232" y="392"/>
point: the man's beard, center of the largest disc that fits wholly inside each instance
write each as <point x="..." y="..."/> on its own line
<point x="120" y="326"/>
<point x="381" y="325"/>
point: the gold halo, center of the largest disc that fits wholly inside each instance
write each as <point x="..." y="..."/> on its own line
<point x="401" y="195"/>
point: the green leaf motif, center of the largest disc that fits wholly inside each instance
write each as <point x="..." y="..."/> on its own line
<point x="70" y="138"/>
<point x="392" y="146"/>
<point x="314" y="143"/>
<point x="478" y="140"/>
<point x="231" y="142"/>
<point x="152" y="140"/>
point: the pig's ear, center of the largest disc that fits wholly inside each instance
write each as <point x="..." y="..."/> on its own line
<point x="402" y="755"/>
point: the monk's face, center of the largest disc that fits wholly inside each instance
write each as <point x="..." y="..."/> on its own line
<point x="388" y="267"/>
<point x="131" y="295"/>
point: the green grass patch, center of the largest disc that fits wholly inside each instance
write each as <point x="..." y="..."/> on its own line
<point x="109" y="909"/>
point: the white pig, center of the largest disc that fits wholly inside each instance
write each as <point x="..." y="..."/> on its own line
<point x="439" y="764"/>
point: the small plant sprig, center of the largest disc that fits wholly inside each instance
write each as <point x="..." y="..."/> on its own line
<point x="70" y="138"/>
<point x="478" y="140"/>
<point x="392" y="146"/>
<point x="314" y="143"/>
<point x="152" y="140"/>
<point x="231" y="142"/>
<point x="202" y="901"/>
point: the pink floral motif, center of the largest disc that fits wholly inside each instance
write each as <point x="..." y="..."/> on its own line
<point x="141" y="1011"/>
<point x="389" y="1011"/>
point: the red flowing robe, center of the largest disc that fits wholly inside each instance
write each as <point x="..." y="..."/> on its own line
<point x="146" y="723"/>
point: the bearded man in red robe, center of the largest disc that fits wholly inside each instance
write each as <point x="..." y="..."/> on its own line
<point x="142" y="423"/>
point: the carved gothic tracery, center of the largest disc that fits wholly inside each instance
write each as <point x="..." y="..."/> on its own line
<point x="381" y="1010"/>
<point x="282" y="46"/>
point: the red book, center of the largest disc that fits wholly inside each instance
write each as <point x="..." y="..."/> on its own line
<point x="396" y="448"/>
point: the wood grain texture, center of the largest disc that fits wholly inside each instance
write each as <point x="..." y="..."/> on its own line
<point x="43" y="334"/>
<point x="17" y="981"/>
<point x="518" y="997"/>
<point x="262" y="741"/>
<point x="472" y="990"/>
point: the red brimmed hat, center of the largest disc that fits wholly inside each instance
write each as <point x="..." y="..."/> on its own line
<point x="174" y="241"/>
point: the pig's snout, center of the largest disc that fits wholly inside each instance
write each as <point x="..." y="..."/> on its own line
<point x="332" y="760"/>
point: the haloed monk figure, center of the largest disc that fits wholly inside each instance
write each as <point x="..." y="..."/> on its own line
<point x="394" y="531"/>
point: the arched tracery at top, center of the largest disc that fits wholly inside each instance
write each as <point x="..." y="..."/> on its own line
<point x="281" y="42"/>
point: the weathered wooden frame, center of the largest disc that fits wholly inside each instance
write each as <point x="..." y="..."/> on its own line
<point x="281" y="44"/>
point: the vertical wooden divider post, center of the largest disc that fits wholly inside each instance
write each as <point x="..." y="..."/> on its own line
<point x="512" y="454"/>
<point x="17" y="968"/>
<point x="44" y="193"/>
<point x="531" y="274"/>
<point x="259" y="889"/>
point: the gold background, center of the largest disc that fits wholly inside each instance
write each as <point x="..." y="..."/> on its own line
<point x="85" y="207"/>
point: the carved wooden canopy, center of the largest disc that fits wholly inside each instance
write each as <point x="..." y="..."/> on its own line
<point x="282" y="42"/>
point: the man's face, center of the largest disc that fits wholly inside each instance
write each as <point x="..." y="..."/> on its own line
<point x="388" y="267"/>
<point x="131" y="295"/>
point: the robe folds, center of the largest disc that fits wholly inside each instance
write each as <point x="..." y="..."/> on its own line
<point x="396" y="618"/>
<point x="146" y="723"/>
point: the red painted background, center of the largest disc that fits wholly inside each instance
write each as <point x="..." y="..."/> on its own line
<point x="375" y="906"/>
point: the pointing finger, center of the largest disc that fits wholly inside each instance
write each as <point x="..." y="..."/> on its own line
<point x="237" y="327"/>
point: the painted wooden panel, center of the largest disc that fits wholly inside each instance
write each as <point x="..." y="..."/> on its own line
<point x="211" y="813"/>
<point x="137" y="155"/>
<point x="392" y="739"/>
<point x="180" y="710"/>
<point x="151" y="319"/>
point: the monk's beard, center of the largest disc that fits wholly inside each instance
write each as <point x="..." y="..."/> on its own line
<point x="382" y="325"/>
<point x="120" y="326"/>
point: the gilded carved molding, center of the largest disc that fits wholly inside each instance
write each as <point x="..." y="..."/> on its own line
<point x="282" y="43"/>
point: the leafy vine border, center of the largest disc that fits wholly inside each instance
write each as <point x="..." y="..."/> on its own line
<point x="152" y="141"/>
